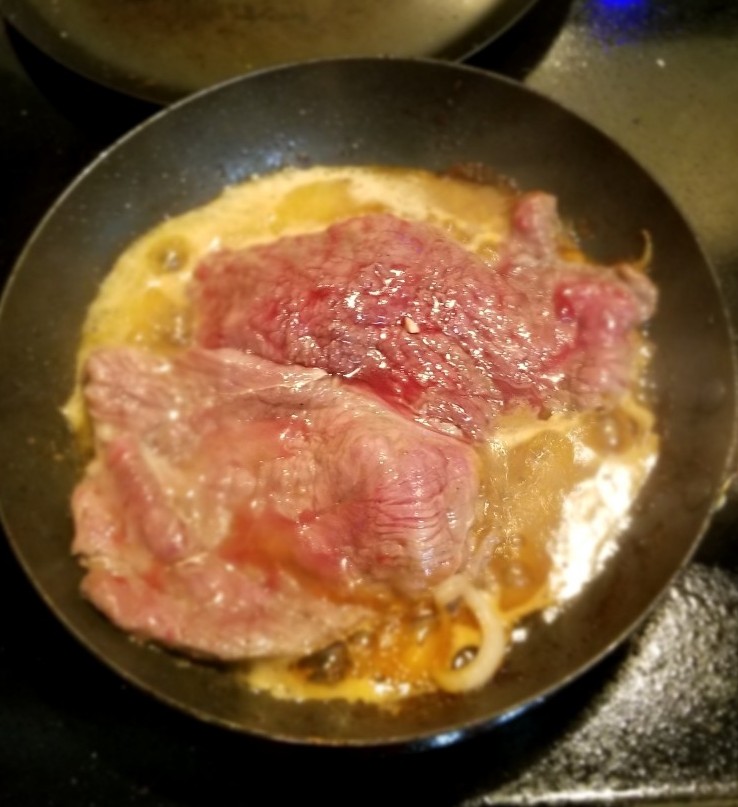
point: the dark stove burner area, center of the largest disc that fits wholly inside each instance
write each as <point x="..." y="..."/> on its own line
<point x="655" y="723"/>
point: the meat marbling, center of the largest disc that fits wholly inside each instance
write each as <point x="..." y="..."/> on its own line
<point x="428" y="325"/>
<point x="242" y="502"/>
<point x="235" y="507"/>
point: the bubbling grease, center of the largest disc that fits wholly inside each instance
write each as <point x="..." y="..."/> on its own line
<point x="556" y="491"/>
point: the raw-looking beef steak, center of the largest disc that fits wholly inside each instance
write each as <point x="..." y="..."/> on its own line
<point x="238" y="508"/>
<point x="405" y="309"/>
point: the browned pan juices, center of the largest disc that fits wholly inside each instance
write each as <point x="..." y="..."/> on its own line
<point x="376" y="112"/>
<point x="554" y="492"/>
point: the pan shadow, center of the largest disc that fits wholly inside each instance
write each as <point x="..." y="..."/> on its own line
<point x="518" y="51"/>
<point x="99" y="111"/>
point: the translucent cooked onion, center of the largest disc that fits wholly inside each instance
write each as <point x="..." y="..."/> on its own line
<point x="554" y="492"/>
<point x="492" y="642"/>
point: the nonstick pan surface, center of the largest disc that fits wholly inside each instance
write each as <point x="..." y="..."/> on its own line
<point x="365" y="111"/>
<point x="161" y="50"/>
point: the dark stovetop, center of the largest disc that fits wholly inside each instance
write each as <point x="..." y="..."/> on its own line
<point x="657" y="722"/>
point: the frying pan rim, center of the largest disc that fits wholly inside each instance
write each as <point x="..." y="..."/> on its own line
<point x="430" y="738"/>
<point x="15" y="12"/>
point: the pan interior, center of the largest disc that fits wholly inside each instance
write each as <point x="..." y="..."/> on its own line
<point x="365" y="112"/>
<point x="164" y="49"/>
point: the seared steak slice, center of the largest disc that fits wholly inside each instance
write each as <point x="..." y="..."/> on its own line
<point x="238" y="508"/>
<point x="401" y="307"/>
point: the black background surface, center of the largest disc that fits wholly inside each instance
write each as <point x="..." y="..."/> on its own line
<point x="656" y="722"/>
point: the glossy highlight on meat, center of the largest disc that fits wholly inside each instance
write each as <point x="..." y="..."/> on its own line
<point x="237" y="508"/>
<point x="404" y="309"/>
<point x="349" y="417"/>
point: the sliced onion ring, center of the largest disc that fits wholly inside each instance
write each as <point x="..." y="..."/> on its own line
<point x="492" y="646"/>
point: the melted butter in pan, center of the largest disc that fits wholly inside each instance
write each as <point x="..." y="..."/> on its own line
<point x="557" y="497"/>
<point x="557" y="492"/>
<point x="143" y="301"/>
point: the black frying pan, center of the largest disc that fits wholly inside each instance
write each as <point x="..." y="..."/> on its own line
<point x="365" y="111"/>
